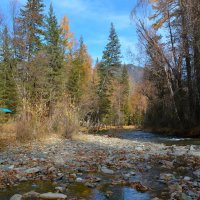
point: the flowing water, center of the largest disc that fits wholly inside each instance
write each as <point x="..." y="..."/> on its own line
<point x="158" y="138"/>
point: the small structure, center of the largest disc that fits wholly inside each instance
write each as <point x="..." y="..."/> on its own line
<point x="5" y="110"/>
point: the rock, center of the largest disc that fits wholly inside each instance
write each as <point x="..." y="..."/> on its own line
<point x="126" y="176"/>
<point x="166" y="177"/>
<point x="195" y="184"/>
<point x="90" y="185"/>
<point x="106" y="170"/>
<point x="73" y="176"/>
<point x="180" y="196"/>
<point x="138" y="186"/>
<point x="51" y="170"/>
<point x="187" y="178"/>
<point x="146" y="156"/>
<point x="197" y="173"/>
<point x="32" y="170"/>
<point x="79" y="180"/>
<point x="97" y="180"/>
<point x="2" y="161"/>
<point x="132" y="173"/>
<point x="139" y="148"/>
<point x="191" y="148"/>
<point x="31" y="195"/>
<point x="175" y="188"/>
<point x="16" y="197"/>
<point x="51" y="195"/>
<point x="108" y="193"/>
<point x="148" y="167"/>
<point x="60" y="189"/>
<point x="180" y="150"/>
<point x="166" y="163"/>
<point x="59" y="162"/>
<point x="190" y="193"/>
<point x="23" y="179"/>
<point x="11" y="167"/>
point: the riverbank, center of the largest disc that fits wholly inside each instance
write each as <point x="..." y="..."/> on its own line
<point x="193" y="132"/>
<point x="95" y="161"/>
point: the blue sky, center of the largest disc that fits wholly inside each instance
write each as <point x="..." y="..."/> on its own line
<point x="92" y="18"/>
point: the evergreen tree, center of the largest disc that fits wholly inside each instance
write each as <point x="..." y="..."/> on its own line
<point x="8" y="95"/>
<point x="80" y="72"/>
<point x="55" y="52"/>
<point x="124" y="82"/>
<point x="112" y="54"/>
<point x="30" y="29"/>
<point x="109" y="69"/>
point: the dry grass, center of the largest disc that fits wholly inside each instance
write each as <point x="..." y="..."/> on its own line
<point x="13" y="134"/>
<point x="7" y="135"/>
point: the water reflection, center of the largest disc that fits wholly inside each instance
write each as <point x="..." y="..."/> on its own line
<point x="78" y="191"/>
<point x="157" y="138"/>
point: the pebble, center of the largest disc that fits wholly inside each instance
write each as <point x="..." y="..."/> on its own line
<point x="115" y="156"/>
<point x="197" y="173"/>
<point x="106" y="170"/>
<point x="16" y="197"/>
<point x="51" y="195"/>
<point x="187" y="178"/>
<point x="32" y="170"/>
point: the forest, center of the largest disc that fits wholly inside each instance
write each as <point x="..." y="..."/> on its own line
<point x="48" y="79"/>
<point x="74" y="127"/>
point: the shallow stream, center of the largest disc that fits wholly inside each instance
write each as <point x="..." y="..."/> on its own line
<point x="105" y="190"/>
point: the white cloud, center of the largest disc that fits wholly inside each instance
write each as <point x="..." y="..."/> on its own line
<point x="96" y="10"/>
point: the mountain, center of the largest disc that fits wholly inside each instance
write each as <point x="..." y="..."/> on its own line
<point x="136" y="73"/>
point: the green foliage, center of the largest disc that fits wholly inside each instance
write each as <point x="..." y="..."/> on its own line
<point x="30" y="29"/>
<point x="124" y="82"/>
<point x="43" y="74"/>
<point x="112" y="54"/>
<point x="55" y="53"/>
<point x="8" y="94"/>
<point x="80" y="70"/>
<point x="112" y="103"/>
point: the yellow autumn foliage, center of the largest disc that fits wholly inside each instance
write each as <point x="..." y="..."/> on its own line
<point x="67" y="35"/>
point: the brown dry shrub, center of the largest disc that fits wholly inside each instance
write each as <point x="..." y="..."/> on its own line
<point x="65" y="119"/>
<point x="24" y="131"/>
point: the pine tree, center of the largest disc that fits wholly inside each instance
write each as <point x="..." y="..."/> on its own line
<point x="112" y="54"/>
<point x="30" y="29"/>
<point x="108" y="69"/>
<point x="8" y="95"/>
<point x="55" y="53"/>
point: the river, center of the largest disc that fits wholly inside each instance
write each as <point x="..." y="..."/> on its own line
<point x="146" y="170"/>
<point x="158" y="138"/>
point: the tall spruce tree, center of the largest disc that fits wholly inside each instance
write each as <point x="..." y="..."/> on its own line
<point x="111" y="59"/>
<point x="109" y="68"/>
<point x="55" y="52"/>
<point x="30" y="28"/>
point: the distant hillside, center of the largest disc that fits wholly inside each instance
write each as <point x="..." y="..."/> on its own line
<point x="136" y="73"/>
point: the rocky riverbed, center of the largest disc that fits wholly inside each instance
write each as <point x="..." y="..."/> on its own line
<point x="98" y="167"/>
